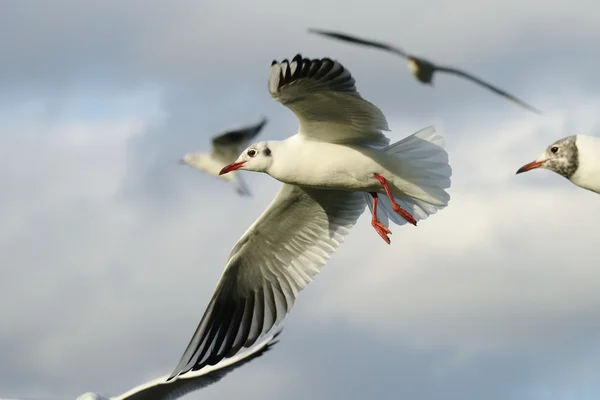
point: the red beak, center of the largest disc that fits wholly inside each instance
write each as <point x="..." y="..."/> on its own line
<point x="232" y="167"/>
<point x="530" y="166"/>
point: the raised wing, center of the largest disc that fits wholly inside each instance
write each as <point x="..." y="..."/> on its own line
<point x="160" y="389"/>
<point x="228" y="145"/>
<point x="322" y="94"/>
<point x="273" y="261"/>
<point x="494" y="89"/>
<point x="364" y="42"/>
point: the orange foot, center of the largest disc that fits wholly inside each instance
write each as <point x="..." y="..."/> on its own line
<point x="379" y="227"/>
<point x="401" y="211"/>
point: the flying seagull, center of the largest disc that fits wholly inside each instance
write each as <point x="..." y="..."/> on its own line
<point x="423" y="69"/>
<point x="331" y="169"/>
<point x="575" y="157"/>
<point x="225" y="149"/>
<point x="160" y="389"/>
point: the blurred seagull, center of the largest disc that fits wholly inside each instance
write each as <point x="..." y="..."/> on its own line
<point x="575" y="157"/>
<point x="160" y="389"/>
<point x="225" y="149"/>
<point x="330" y="170"/>
<point x="422" y="69"/>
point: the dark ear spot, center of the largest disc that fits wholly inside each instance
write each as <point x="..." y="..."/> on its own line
<point x="267" y="151"/>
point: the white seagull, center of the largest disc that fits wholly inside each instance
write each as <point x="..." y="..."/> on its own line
<point x="575" y="157"/>
<point x="160" y="389"/>
<point x="330" y="170"/>
<point x="225" y="149"/>
<point x="421" y="68"/>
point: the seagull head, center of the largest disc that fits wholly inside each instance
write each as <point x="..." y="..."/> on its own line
<point x="422" y="69"/>
<point x="560" y="157"/>
<point x="257" y="157"/>
<point x="91" y="396"/>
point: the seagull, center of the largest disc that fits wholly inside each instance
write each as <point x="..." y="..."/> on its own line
<point x="576" y="157"/>
<point x="225" y="148"/>
<point x="160" y="389"/>
<point x="423" y="69"/>
<point x="330" y="170"/>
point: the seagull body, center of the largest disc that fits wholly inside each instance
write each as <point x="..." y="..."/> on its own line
<point x="225" y="149"/>
<point x="421" y="68"/>
<point x="334" y="166"/>
<point x="341" y="167"/>
<point x="160" y="389"/>
<point x="576" y="157"/>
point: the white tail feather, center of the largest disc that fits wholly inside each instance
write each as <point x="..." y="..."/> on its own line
<point x="424" y="163"/>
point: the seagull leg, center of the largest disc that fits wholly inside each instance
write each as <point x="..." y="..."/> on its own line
<point x="403" y="213"/>
<point x="379" y="227"/>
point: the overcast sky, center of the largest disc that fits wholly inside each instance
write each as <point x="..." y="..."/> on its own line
<point x="110" y="250"/>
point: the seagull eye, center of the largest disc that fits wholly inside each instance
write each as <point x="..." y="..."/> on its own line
<point x="252" y="152"/>
<point x="554" y="149"/>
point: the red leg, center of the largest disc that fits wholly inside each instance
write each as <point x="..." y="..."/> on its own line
<point x="379" y="227"/>
<point x="403" y="213"/>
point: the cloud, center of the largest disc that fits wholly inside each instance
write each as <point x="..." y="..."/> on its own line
<point x="111" y="251"/>
<point x="509" y="263"/>
<point x="108" y="277"/>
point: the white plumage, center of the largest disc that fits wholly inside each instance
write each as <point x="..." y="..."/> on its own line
<point x="329" y="168"/>
<point x="225" y="149"/>
<point x="160" y="389"/>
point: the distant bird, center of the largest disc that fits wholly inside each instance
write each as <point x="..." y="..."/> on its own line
<point x="225" y="149"/>
<point x="160" y="389"/>
<point x="423" y="69"/>
<point x="330" y="170"/>
<point x="575" y="157"/>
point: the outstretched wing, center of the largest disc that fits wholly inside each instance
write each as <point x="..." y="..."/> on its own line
<point x="494" y="89"/>
<point x="274" y="260"/>
<point x="160" y="389"/>
<point x="228" y="145"/>
<point x="322" y="94"/>
<point x="364" y="42"/>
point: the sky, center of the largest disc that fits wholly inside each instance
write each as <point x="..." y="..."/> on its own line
<point x="110" y="250"/>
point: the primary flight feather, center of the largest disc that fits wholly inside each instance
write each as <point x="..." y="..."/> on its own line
<point x="331" y="169"/>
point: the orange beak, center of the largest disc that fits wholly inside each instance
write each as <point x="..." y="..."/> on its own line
<point x="530" y="166"/>
<point x="232" y="167"/>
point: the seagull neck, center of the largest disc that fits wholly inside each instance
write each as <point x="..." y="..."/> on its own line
<point x="286" y="158"/>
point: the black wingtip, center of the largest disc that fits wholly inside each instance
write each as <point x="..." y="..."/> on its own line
<point x="274" y="340"/>
<point x="171" y="378"/>
<point x="317" y="31"/>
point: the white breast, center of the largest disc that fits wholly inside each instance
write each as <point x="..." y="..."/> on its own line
<point x="587" y="175"/>
<point x="325" y="165"/>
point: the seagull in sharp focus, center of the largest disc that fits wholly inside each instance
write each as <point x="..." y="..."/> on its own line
<point x="334" y="166"/>
<point x="575" y="157"/>
<point x="225" y="149"/>
<point x="160" y="389"/>
<point x="423" y="69"/>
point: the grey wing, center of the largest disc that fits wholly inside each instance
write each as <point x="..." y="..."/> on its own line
<point x="353" y="39"/>
<point x="494" y="89"/>
<point x="160" y="389"/>
<point x="274" y="260"/>
<point x="322" y="95"/>
<point x="228" y="145"/>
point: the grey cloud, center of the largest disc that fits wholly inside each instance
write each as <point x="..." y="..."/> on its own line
<point x="119" y="288"/>
<point x="112" y="255"/>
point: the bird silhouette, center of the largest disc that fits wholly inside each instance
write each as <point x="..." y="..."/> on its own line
<point x="423" y="69"/>
<point x="225" y="149"/>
